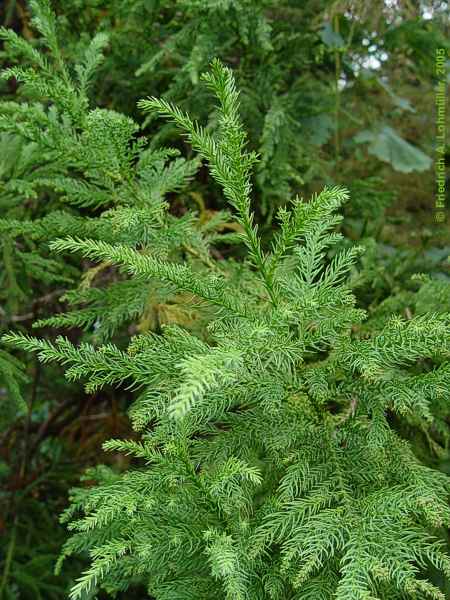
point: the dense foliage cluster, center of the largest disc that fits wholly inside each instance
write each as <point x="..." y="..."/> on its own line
<point x="283" y="361"/>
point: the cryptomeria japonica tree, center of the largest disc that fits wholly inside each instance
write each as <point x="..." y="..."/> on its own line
<point x="267" y="463"/>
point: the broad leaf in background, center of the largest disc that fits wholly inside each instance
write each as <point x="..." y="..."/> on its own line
<point x="331" y="38"/>
<point x="389" y="147"/>
<point x="402" y="103"/>
<point x="318" y="129"/>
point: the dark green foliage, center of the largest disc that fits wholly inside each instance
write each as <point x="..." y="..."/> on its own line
<point x="286" y="362"/>
<point x="32" y="541"/>
<point x="329" y="501"/>
<point x="288" y="60"/>
<point x="106" y="183"/>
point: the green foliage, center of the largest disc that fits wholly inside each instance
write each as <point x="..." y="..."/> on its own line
<point x="288" y="391"/>
<point x="388" y="146"/>
<point x="32" y="543"/>
<point x="270" y="463"/>
<point x="93" y="162"/>
<point x="12" y="376"/>
<point x="306" y="76"/>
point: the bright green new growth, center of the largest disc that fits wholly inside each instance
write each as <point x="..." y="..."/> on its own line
<point x="269" y="465"/>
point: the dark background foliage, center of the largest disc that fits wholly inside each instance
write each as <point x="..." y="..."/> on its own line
<point x="331" y="92"/>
